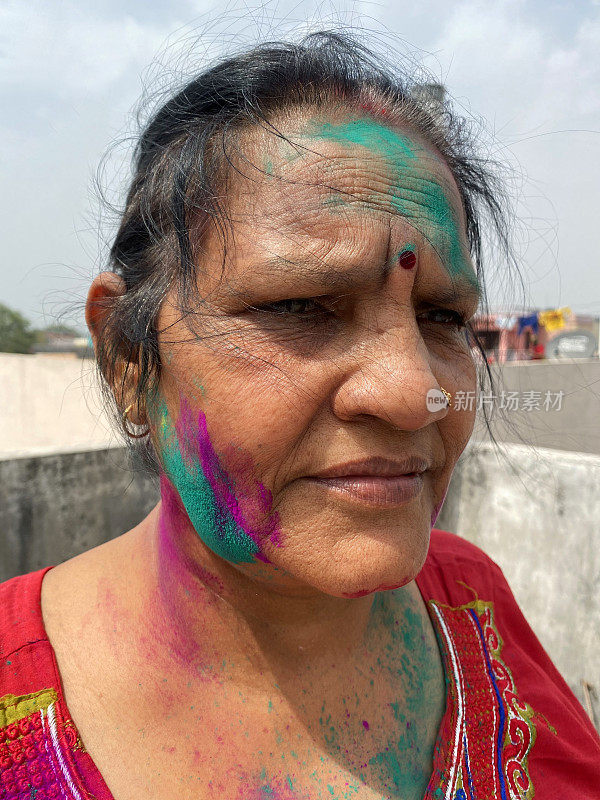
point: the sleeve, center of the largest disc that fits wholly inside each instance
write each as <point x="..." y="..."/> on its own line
<point x="565" y="752"/>
<point x="568" y="746"/>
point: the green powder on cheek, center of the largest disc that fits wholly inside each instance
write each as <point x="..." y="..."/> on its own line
<point x="215" y="526"/>
<point x="196" y="382"/>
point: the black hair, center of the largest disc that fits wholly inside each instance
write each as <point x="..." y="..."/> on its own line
<point x="182" y="154"/>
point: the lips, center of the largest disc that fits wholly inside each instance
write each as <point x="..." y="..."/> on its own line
<point x="375" y="481"/>
<point x="377" y="466"/>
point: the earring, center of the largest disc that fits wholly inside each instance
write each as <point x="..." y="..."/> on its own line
<point x="126" y="429"/>
<point x="448" y="397"/>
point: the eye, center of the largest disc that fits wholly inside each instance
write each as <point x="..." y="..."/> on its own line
<point x="295" y="306"/>
<point x="447" y="316"/>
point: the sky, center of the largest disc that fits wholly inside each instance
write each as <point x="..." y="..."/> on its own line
<point x="526" y="72"/>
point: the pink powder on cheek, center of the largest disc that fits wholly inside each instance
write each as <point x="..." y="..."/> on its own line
<point x="255" y="500"/>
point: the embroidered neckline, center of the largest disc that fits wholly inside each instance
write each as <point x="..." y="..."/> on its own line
<point x="487" y="731"/>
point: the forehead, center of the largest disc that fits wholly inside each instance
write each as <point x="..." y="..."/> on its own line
<point x="327" y="178"/>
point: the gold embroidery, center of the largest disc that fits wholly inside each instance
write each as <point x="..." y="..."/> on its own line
<point x="14" y="708"/>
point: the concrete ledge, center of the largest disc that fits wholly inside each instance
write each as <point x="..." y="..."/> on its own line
<point x="56" y="506"/>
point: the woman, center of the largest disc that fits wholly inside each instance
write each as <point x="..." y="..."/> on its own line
<point x="284" y="326"/>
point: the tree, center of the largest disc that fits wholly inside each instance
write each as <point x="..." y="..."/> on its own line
<point x="16" y="335"/>
<point x="61" y="330"/>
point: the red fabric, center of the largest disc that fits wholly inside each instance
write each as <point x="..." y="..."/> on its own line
<point x="504" y="677"/>
<point x="34" y="763"/>
<point x="564" y="765"/>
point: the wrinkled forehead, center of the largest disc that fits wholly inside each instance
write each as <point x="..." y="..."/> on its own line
<point x="353" y="167"/>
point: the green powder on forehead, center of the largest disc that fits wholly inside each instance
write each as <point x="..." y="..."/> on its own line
<point x="415" y="192"/>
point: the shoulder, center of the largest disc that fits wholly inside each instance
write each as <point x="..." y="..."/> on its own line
<point x="20" y="611"/>
<point x="25" y="665"/>
<point x="40" y="752"/>
<point x="444" y="544"/>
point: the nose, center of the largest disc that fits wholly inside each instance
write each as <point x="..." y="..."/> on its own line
<point x="388" y="377"/>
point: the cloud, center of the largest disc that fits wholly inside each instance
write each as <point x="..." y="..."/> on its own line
<point x="70" y="72"/>
<point x="534" y="79"/>
<point x="66" y="49"/>
<point x="514" y="65"/>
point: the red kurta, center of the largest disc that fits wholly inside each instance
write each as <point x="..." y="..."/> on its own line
<point x="512" y="727"/>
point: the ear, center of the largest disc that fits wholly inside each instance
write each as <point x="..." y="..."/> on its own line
<point x="104" y="293"/>
<point x="105" y="290"/>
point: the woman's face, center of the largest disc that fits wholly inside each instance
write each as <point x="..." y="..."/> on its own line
<point x="290" y="400"/>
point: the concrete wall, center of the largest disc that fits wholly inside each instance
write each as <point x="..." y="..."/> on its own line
<point x="535" y="512"/>
<point x="53" y="507"/>
<point x="574" y="427"/>
<point x="50" y="401"/>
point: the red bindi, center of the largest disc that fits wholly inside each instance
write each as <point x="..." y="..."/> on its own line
<point x="407" y="259"/>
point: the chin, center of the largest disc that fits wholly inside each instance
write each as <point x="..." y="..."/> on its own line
<point x="347" y="554"/>
<point x="363" y="566"/>
<point x="391" y="575"/>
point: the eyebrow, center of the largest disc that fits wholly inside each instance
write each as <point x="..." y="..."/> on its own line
<point x="310" y="269"/>
<point x="461" y="290"/>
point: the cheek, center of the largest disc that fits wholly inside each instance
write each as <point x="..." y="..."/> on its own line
<point x="456" y="429"/>
<point x="265" y="404"/>
<point x="458" y="375"/>
<point x="228" y="508"/>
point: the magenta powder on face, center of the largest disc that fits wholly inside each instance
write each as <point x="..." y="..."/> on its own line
<point x="195" y="441"/>
<point x="250" y="506"/>
<point x="228" y="508"/>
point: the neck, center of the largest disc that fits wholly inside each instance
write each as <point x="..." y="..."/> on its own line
<point x="211" y="612"/>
